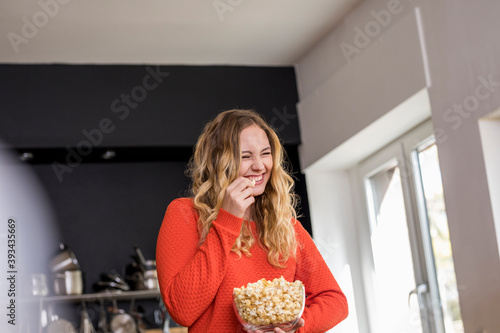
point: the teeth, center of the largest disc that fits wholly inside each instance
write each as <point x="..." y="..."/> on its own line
<point x="256" y="179"/>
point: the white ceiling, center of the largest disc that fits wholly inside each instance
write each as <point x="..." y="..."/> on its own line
<point x="185" y="32"/>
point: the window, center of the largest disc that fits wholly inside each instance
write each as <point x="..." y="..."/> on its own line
<point x="412" y="278"/>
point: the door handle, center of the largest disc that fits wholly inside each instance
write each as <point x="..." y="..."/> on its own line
<point x="419" y="290"/>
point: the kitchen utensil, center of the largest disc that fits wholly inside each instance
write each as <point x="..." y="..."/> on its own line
<point x="142" y="321"/>
<point x="123" y="323"/>
<point x="149" y="265"/>
<point x="136" y="280"/>
<point x="111" y="285"/>
<point x="166" y="326"/>
<point x="102" y="325"/>
<point x="141" y="274"/>
<point x="161" y="316"/>
<point x="133" y="274"/>
<point x="39" y="285"/>
<point x="140" y="256"/>
<point x="139" y="318"/>
<point x="151" y="279"/>
<point x="64" y="260"/>
<point x="115" y="277"/>
<point x="158" y="317"/>
<point x="85" y="323"/>
<point x="111" y="282"/>
<point x="68" y="283"/>
<point x="61" y="326"/>
<point x="150" y="276"/>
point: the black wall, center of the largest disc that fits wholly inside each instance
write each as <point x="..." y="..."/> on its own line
<point x="67" y="116"/>
<point x="50" y="106"/>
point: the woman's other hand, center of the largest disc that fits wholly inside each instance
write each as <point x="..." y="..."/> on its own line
<point x="238" y="197"/>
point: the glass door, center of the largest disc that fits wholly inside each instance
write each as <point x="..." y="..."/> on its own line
<point x="412" y="277"/>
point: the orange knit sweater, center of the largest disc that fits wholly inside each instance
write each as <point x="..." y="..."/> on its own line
<point x="197" y="282"/>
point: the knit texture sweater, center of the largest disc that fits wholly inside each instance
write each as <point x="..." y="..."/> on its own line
<point x="197" y="282"/>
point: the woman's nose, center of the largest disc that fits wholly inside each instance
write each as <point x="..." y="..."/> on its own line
<point x="258" y="164"/>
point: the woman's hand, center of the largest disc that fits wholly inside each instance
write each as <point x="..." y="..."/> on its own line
<point x="238" y="197"/>
<point x="299" y="324"/>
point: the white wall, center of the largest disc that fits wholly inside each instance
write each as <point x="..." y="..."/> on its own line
<point x="361" y="92"/>
<point x="337" y="240"/>
<point x="454" y="49"/>
<point x="463" y="47"/>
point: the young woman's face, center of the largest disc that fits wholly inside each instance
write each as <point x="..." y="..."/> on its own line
<point x="256" y="157"/>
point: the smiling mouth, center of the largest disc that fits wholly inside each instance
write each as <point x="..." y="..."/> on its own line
<point x="255" y="178"/>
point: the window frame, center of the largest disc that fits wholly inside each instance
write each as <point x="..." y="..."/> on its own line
<point x="402" y="151"/>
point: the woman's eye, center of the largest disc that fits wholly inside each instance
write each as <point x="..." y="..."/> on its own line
<point x="245" y="157"/>
<point x="267" y="153"/>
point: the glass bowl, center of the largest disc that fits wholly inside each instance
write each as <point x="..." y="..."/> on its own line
<point x="270" y="328"/>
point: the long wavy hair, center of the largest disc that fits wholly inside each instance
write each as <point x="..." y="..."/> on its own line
<point x="216" y="163"/>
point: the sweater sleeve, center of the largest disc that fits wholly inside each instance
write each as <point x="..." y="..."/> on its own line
<point x="189" y="275"/>
<point x="326" y="304"/>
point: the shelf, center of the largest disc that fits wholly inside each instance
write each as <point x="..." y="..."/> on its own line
<point x="125" y="295"/>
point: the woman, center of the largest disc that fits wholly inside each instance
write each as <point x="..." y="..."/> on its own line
<point x="238" y="227"/>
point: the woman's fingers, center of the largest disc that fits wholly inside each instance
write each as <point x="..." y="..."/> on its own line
<point x="242" y="183"/>
<point x="238" y="196"/>
<point x="238" y="186"/>
<point x="240" y="191"/>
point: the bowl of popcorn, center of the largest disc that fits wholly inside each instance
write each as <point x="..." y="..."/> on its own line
<point x="264" y="305"/>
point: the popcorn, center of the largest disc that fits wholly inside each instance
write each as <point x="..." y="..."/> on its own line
<point x="269" y="302"/>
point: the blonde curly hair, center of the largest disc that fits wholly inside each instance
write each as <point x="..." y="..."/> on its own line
<point x="215" y="164"/>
